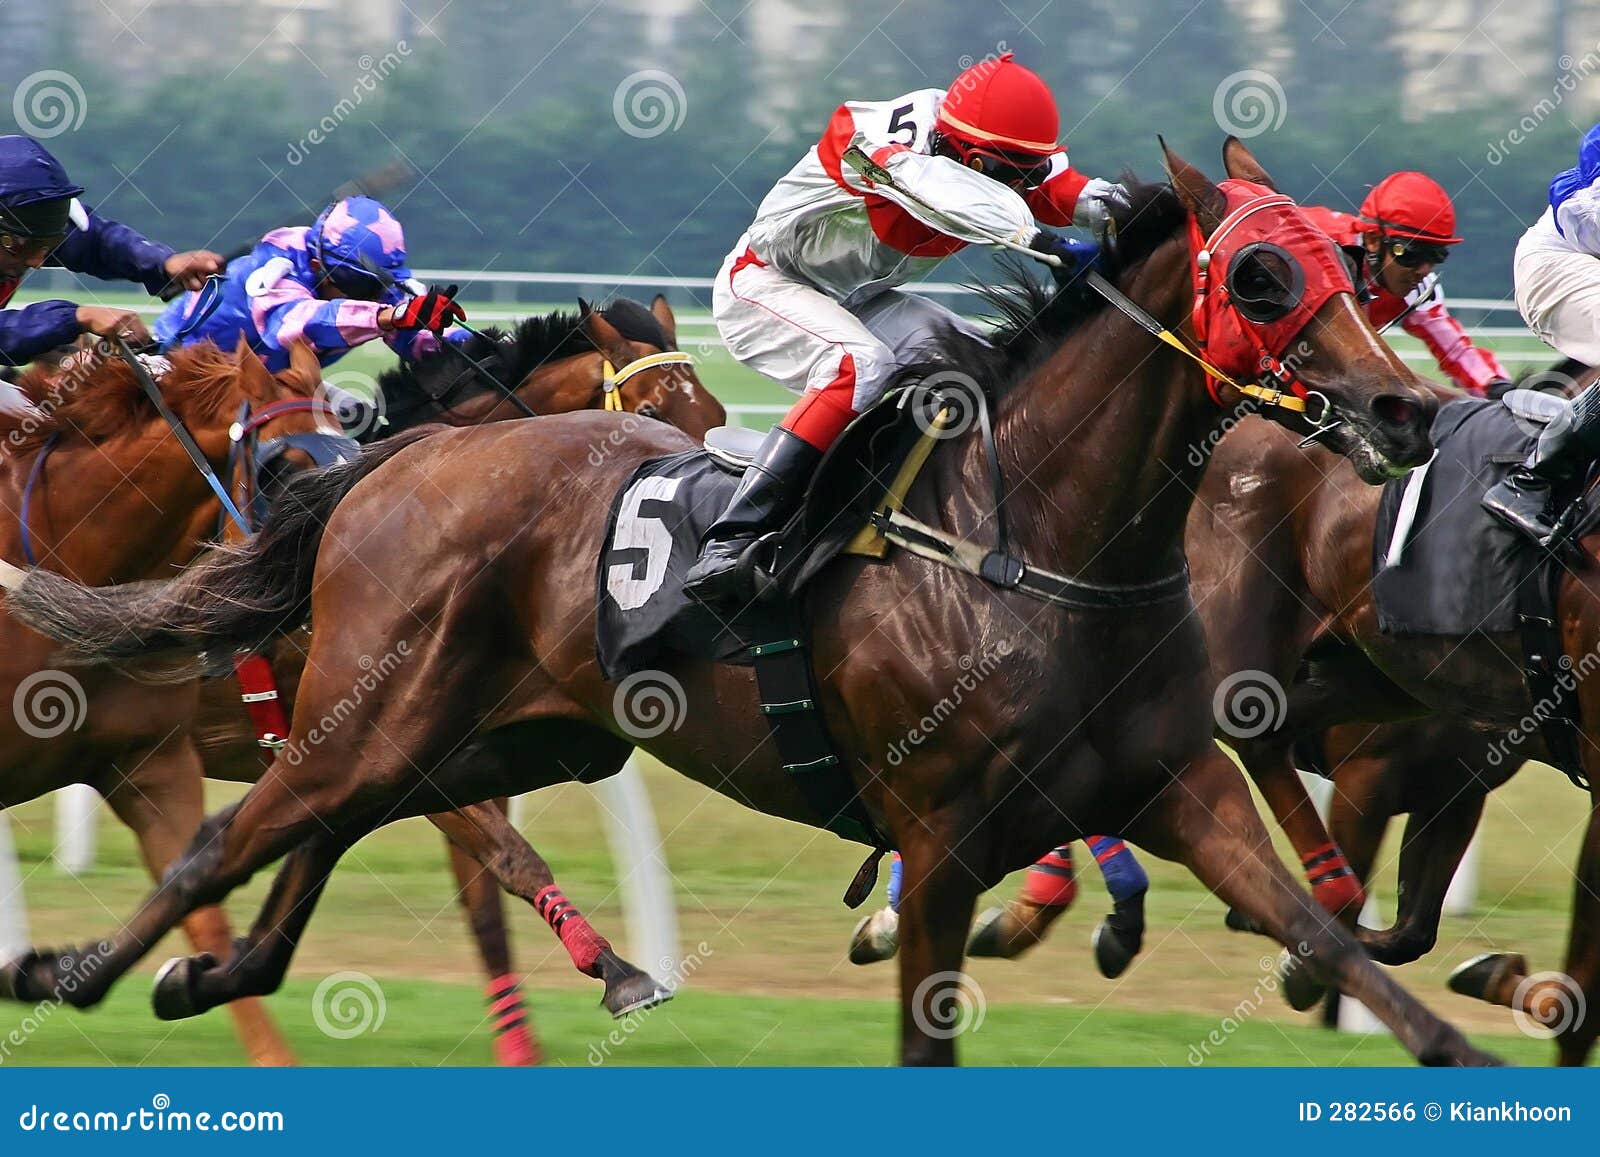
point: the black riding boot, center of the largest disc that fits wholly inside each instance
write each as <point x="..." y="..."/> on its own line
<point x="769" y="493"/>
<point x="1569" y="443"/>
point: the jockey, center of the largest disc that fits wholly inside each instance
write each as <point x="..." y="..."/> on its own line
<point x="316" y="284"/>
<point x="1557" y="276"/>
<point x="42" y="223"/>
<point x="807" y="296"/>
<point x="1402" y="234"/>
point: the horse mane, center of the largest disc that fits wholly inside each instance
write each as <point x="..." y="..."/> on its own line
<point x="536" y="341"/>
<point x="1034" y="315"/>
<point x="98" y="397"/>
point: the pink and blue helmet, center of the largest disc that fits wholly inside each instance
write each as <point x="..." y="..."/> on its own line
<point x="354" y="236"/>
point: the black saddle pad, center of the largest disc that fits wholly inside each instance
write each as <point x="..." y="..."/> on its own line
<point x="1460" y="566"/>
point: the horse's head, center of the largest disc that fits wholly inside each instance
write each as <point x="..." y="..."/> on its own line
<point x="282" y="424"/>
<point x="642" y="376"/>
<point x="1274" y="307"/>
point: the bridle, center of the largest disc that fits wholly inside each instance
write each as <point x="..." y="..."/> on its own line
<point x="250" y="458"/>
<point x="612" y="379"/>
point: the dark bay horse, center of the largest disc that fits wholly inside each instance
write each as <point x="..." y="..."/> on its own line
<point x="1093" y="720"/>
<point x="111" y="498"/>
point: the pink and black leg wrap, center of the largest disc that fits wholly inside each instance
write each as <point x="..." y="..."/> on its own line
<point x="513" y="1043"/>
<point x="578" y="936"/>
<point x="1050" y="883"/>
<point x="1333" y="880"/>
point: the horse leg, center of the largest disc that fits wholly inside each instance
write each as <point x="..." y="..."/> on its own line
<point x="1430" y="853"/>
<point x="483" y="831"/>
<point x="1566" y="1003"/>
<point x="255" y="965"/>
<point x="938" y="894"/>
<point x="479" y="896"/>
<point x="1205" y="819"/>
<point x="163" y="802"/>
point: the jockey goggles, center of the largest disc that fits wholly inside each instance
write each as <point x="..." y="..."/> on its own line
<point x="1413" y="253"/>
<point x="1018" y="170"/>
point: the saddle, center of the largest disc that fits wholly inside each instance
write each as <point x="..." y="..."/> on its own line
<point x="1442" y="565"/>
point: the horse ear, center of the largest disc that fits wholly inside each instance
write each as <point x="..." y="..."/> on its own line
<point x="1241" y="164"/>
<point x="584" y="308"/>
<point x="606" y="339"/>
<point x="663" y="314"/>
<point x="304" y="374"/>
<point x="254" y="380"/>
<point x="1195" y="190"/>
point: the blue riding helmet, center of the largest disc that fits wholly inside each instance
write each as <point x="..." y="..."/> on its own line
<point x="37" y="198"/>
<point x="353" y="233"/>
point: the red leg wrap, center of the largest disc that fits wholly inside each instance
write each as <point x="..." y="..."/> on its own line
<point x="514" y="1045"/>
<point x="578" y="936"/>
<point x="1050" y="883"/>
<point x="1333" y="881"/>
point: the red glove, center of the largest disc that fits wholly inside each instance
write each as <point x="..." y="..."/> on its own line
<point x="435" y="310"/>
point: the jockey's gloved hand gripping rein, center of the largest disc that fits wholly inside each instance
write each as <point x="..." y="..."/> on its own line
<point x="434" y="310"/>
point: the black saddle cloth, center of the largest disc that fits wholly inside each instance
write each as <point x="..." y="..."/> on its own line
<point x="1461" y="567"/>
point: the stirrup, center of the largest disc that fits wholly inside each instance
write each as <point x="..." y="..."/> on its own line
<point x="756" y="569"/>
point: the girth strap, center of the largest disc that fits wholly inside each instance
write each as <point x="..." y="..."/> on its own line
<point x="1552" y="684"/>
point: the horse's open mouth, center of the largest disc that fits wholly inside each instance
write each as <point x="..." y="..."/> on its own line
<point x="1366" y="453"/>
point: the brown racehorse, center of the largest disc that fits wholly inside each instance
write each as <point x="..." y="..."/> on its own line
<point x="1093" y="720"/>
<point x="558" y="364"/>
<point x="1286" y="575"/>
<point x="114" y="498"/>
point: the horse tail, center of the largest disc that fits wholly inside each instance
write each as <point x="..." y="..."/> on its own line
<point x="232" y="598"/>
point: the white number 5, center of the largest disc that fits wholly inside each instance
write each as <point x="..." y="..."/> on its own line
<point x="624" y="582"/>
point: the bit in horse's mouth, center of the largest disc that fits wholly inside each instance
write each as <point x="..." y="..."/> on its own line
<point x="1354" y="441"/>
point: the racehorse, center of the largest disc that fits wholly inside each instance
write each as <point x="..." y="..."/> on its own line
<point x="104" y="493"/>
<point x="1282" y="574"/>
<point x="1096" y="718"/>
<point x="559" y="362"/>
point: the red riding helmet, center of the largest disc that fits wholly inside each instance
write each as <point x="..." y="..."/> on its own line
<point x="998" y="115"/>
<point x="1410" y="206"/>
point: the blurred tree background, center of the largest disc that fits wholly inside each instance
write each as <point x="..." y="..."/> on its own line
<point x="198" y="115"/>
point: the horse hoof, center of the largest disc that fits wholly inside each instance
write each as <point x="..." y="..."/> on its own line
<point x="173" y="997"/>
<point x="1301" y="988"/>
<point x="1238" y="921"/>
<point x="1112" y="954"/>
<point x="1487" y="977"/>
<point x="876" y="937"/>
<point x="990" y="935"/>
<point x="633" y="993"/>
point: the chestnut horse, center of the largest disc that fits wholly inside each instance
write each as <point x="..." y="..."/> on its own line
<point x="1096" y="718"/>
<point x="111" y="497"/>
<point x="559" y="362"/>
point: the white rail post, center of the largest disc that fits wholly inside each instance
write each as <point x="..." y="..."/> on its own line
<point x="14" y="938"/>
<point x="1461" y="898"/>
<point x="77" y="815"/>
